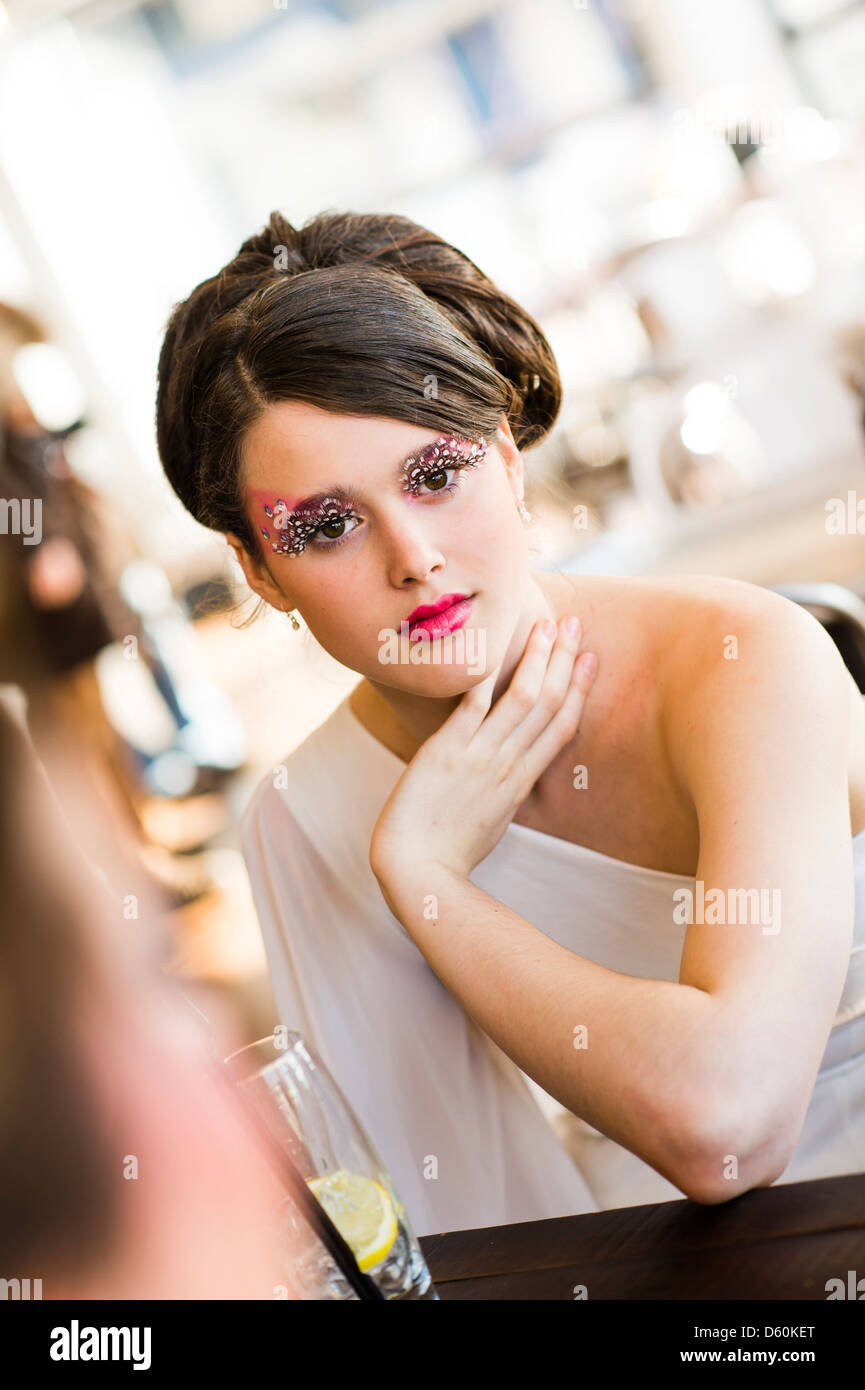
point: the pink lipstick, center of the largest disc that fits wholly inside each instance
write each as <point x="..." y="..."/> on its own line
<point x="445" y="615"/>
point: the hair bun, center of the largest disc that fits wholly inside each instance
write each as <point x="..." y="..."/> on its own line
<point x="277" y="247"/>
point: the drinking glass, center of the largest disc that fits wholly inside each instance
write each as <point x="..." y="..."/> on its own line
<point x="306" y="1114"/>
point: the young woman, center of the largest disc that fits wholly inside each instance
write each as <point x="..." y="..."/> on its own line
<point x="635" y="888"/>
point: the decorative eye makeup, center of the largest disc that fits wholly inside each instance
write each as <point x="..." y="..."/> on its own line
<point x="308" y="525"/>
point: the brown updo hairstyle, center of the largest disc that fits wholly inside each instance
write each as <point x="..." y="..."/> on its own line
<point x="358" y="314"/>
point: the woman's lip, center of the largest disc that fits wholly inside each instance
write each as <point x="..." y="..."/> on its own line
<point x="429" y="610"/>
<point x="447" y="620"/>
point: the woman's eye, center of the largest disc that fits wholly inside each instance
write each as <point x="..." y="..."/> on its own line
<point x="430" y="479"/>
<point x="327" y="527"/>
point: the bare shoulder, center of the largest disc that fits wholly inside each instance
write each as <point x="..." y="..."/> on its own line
<point x="667" y="647"/>
<point x="786" y="669"/>
<point x="707" y="618"/>
<point x="677" y="603"/>
<point x="658" y="637"/>
<point x="684" y="620"/>
<point x="677" y="622"/>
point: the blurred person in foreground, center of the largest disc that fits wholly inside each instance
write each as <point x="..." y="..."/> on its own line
<point x="126" y="1167"/>
<point x="59" y="609"/>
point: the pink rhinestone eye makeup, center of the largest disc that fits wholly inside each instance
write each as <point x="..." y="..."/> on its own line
<point x="306" y="524"/>
<point x="448" y="451"/>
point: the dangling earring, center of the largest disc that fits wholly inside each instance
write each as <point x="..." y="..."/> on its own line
<point x="522" y="509"/>
<point x="295" y="624"/>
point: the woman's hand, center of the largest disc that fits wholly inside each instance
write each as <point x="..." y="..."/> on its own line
<point x="462" y="788"/>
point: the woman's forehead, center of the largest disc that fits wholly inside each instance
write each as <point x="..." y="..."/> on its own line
<point x="303" y="449"/>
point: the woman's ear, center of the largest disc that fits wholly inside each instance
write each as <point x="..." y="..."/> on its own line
<point x="513" y="459"/>
<point x="256" y="575"/>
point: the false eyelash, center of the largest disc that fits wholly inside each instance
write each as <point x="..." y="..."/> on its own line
<point x="445" y="453"/>
<point x="304" y="529"/>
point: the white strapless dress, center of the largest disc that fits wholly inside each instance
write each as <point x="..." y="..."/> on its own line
<point x="468" y="1139"/>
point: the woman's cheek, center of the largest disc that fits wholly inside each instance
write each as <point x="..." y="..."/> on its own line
<point x="348" y="632"/>
<point x="495" y="531"/>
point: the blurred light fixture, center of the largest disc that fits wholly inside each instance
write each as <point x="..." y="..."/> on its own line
<point x="615" y="331"/>
<point x="810" y="136"/>
<point x="706" y="407"/>
<point x="723" y="456"/>
<point x="764" y="254"/>
<point x="659" y="220"/>
<point x="49" y="384"/>
<point x="692" y="450"/>
<point x="144" y="585"/>
<point x="598" y="445"/>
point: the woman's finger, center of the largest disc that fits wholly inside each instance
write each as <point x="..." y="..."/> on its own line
<point x="464" y="721"/>
<point x="537" y="689"/>
<point x="554" y="689"/>
<point x="521" y="695"/>
<point x="564" y="724"/>
<point x="472" y="713"/>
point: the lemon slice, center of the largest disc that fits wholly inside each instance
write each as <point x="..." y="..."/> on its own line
<point x="361" y="1210"/>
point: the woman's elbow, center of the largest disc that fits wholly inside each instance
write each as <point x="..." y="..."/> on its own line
<point x="730" y="1161"/>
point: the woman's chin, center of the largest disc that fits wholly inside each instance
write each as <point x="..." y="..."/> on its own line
<point x="438" y="681"/>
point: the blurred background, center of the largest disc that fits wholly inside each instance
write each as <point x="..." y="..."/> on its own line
<point x="674" y="188"/>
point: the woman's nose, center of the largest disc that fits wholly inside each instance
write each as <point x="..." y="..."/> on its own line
<point x="411" y="546"/>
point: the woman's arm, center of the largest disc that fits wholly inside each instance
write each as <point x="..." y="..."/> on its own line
<point x="628" y="1074"/>
<point x="759" y="738"/>
<point x="720" y="1066"/>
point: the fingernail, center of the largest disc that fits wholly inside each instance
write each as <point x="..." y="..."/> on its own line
<point x="548" y="628"/>
<point x="572" y="625"/>
<point x="590" y="663"/>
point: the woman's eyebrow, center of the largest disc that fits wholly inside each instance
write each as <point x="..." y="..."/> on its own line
<point x="348" y="493"/>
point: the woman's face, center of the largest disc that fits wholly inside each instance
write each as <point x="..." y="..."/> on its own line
<point x="426" y="515"/>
